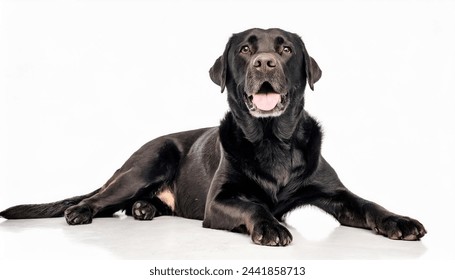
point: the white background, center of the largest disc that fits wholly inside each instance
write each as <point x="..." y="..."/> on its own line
<point x="83" y="84"/>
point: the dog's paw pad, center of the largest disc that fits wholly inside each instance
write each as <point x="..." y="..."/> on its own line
<point x="143" y="210"/>
<point x="271" y="234"/>
<point x="78" y="215"/>
<point x="401" y="228"/>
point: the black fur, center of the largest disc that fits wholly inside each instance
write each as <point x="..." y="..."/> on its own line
<point x="246" y="174"/>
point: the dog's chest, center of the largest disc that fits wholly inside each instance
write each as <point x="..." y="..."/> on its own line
<point x="277" y="164"/>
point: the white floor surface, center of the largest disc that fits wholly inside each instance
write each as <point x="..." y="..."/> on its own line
<point x="122" y="237"/>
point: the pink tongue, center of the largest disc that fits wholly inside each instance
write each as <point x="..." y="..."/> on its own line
<point x="266" y="101"/>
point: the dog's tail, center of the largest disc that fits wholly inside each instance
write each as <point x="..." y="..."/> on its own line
<point x="45" y="210"/>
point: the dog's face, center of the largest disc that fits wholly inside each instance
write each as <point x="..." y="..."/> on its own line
<point x="265" y="71"/>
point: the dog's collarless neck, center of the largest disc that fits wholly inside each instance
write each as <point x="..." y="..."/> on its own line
<point x="256" y="130"/>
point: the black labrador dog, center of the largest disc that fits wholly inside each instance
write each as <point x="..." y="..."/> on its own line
<point x="263" y="161"/>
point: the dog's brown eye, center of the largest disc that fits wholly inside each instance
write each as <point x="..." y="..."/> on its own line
<point x="287" y="50"/>
<point x="245" y="49"/>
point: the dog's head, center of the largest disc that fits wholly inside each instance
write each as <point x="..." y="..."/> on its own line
<point x="264" y="71"/>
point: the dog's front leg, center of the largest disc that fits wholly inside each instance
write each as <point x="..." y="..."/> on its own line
<point x="352" y="210"/>
<point x="234" y="213"/>
<point x="231" y="206"/>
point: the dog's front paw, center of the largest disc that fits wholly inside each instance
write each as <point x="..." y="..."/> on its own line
<point x="143" y="210"/>
<point x="271" y="234"/>
<point x="400" y="227"/>
<point x="78" y="215"/>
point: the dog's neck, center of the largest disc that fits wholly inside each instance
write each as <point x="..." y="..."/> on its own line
<point x="281" y="128"/>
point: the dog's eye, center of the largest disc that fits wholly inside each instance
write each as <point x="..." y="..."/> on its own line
<point x="245" y="49"/>
<point x="287" y="50"/>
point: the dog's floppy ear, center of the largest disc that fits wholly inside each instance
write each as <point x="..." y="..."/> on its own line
<point x="312" y="70"/>
<point x="218" y="72"/>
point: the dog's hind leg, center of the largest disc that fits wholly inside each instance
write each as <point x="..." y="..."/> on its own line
<point x="147" y="209"/>
<point x="151" y="167"/>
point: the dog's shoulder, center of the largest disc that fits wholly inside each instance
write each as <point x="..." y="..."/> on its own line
<point x="308" y="139"/>
<point x="310" y="130"/>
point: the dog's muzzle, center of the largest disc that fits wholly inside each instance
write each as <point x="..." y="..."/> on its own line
<point x="265" y="86"/>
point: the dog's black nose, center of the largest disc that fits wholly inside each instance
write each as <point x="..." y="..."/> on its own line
<point x="264" y="62"/>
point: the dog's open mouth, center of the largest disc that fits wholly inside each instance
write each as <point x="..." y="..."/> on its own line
<point x="266" y="101"/>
